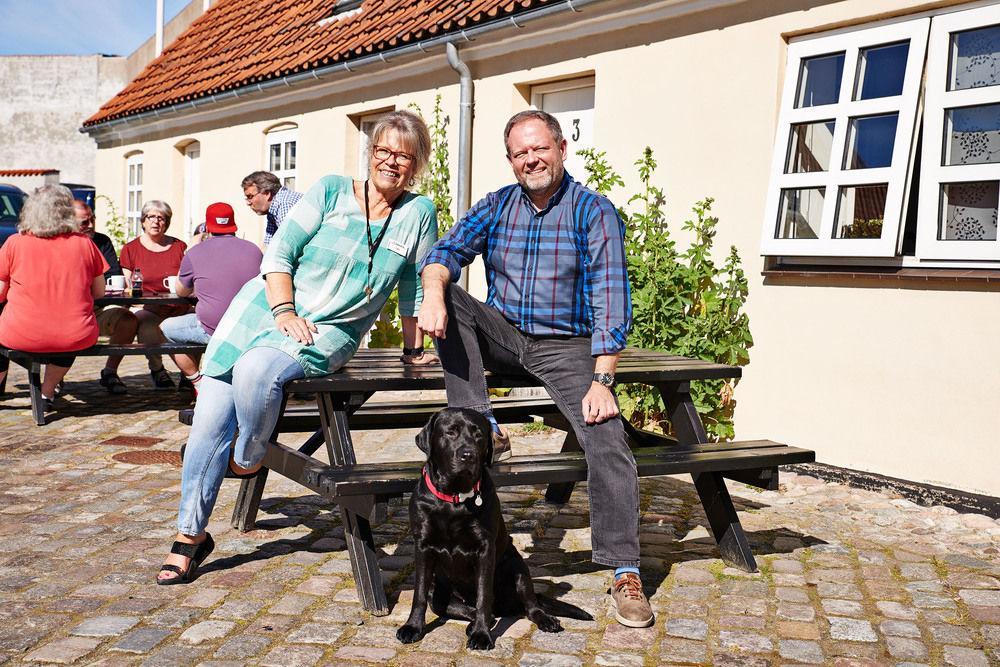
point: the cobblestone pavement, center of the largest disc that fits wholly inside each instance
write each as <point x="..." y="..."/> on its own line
<point x="846" y="576"/>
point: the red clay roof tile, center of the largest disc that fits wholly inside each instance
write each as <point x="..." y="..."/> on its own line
<point x="237" y="43"/>
<point x="8" y="173"/>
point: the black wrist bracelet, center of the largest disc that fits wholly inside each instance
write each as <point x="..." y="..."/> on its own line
<point x="284" y="303"/>
<point x="413" y="351"/>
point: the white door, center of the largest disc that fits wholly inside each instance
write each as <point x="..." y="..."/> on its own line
<point x="572" y="104"/>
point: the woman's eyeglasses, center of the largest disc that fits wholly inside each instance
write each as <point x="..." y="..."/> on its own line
<point x="382" y="154"/>
<point x="154" y="216"/>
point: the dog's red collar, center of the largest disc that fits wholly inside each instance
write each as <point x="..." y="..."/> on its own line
<point x="454" y="499"/>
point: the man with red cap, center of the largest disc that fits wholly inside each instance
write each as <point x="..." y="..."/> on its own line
<point x="214" y="271"/>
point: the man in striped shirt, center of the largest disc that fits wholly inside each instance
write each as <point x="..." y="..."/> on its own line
<point x="265" y="195"/>
<point x="558" y="306"/>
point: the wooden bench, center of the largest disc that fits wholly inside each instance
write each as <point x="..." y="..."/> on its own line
<point x="361" y="489"/>
<point x="29" y="362"/>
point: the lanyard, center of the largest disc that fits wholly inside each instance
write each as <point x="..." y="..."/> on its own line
<point x="373" y="245"/>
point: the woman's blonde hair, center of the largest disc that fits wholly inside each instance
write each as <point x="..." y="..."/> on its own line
<point x="414" y="132"/>
<point x="48" y="212"/>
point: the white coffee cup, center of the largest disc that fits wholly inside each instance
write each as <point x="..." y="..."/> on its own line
<point x="115" y="284"/>
<point x="170" y="282"/>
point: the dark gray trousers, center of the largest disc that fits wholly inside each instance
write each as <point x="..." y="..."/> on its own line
<point x="477" y="338"/>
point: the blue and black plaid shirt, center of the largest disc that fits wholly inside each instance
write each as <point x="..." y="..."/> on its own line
<point x="559" y="271"/>
<point x="284" y="200"/>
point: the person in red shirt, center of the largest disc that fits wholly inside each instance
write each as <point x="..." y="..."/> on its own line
<point x="157" y="256"/>
<point x="50" y="275"/>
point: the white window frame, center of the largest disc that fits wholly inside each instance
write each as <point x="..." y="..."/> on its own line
<point x="365" y="123"/>
<point x="192" y="187"/>
<point x="849" y="42"/>
<point x="932" y="173"/>
<point x="281" y="137"/>
<point x="538" y="93"/>
<point x="133" y="194"/>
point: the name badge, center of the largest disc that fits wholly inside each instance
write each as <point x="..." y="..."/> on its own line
<point x="397" y="248"/>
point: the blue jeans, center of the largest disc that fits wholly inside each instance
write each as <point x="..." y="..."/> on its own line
<point x="246" y="405"/>
<point x="184" y="329"/>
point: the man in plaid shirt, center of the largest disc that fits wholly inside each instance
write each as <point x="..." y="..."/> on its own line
<point x="558" y="306"/>
<point x="266" y="196"/>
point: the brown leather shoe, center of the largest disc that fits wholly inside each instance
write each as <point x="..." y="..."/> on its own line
<point x="501" y="446"/>
<point x="631" y="606"/>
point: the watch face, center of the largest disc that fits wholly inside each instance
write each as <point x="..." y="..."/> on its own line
<point x="607" y="379"/>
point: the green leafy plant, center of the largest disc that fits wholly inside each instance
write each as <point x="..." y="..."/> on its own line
<point x="435" y="182"/>
<point x="862" y="228"/>
<point x="683" y="302"/>
<point x="114" y="224"/>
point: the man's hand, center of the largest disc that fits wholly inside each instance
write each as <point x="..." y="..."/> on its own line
<point x="290" y="324"/>
<point x="599" y="404"/>
<point x="433" y="316"/>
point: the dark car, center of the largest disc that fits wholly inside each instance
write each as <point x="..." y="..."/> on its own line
<point x="11" y="200"/>
<point x="84" y="193"/>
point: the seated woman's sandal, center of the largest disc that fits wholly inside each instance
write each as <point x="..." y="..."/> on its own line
<point x="196" y="552"/>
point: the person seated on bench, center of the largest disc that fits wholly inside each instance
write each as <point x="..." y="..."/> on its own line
<point x="50" y="275"/>
<point x="157" y="256"/>
<point x="559" y="307"/>
<point x="327" y="274"/>
<point x="215" y="269"/>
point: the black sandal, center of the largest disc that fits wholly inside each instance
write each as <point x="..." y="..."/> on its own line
<point x="196" y="552"/>
<point x="113" y="383"/>
<point x="230" y="473"/>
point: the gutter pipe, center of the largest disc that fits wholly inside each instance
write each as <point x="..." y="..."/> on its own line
<point x="465" y="105"/>
<point x="352" y="65"/>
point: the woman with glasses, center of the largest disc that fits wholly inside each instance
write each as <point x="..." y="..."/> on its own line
<point x="156" y="255"/>
<point x="326" y="276"/>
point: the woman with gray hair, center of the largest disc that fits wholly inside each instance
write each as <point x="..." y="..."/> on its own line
<point x="157" y="256"/>
<point x="327" y="274"/>
<point x="50" y="275"/>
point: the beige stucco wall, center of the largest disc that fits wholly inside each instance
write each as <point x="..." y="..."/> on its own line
<point x="894" y="380"/>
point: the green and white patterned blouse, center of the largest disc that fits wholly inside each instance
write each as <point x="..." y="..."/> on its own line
<point x="322" y="244"/>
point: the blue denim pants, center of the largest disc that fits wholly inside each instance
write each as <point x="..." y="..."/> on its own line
<point x="239" y="409"/>
<point x="184" y="329"/>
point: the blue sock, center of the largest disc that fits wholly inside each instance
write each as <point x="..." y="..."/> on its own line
<point x="493" y="423"/>
<point x="619" y="571"/>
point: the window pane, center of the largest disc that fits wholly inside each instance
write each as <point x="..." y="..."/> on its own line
<point x="870" y="141"/>
<point x="274" y="163"/>
<point x="809" y="147"/>
<point x="131" y="174"/>
<point x="969" y="211"/>
<point x="289" y="155"/>
<point x="819" y="80"/>
<point x="973" y="135"/>
<point x="290" y="183"/>
<point x="861" y="211"/>
<point x="138" y="174"/>
<point x="799" y="213"/>
<point x="881" y="70"/>
<point x="975" y="58"/>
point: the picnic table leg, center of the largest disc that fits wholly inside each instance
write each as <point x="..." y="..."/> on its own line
<point x="715" y="498"/>
<point x="35" y="389"/>
<point x="333" y="412"/>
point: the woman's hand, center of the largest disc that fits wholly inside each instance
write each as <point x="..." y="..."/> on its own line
<point x="422" y="359"/>
<point x="290" y="324"/>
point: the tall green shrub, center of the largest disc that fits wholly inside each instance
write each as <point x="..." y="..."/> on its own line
<point x="683" y="302"/>
<point x="114" y="225"/>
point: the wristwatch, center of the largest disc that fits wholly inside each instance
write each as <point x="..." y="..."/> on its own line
<point x="606" y="379"/>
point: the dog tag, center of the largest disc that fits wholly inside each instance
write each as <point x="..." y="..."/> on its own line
<point x="478" y="501"/>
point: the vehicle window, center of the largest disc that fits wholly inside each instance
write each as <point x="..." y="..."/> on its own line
<point x="10" y="207"/>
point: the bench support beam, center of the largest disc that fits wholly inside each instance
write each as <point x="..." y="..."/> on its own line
<point x="711" y="486"/>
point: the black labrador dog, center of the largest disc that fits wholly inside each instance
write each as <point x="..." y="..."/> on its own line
<point x="466" y="565"/>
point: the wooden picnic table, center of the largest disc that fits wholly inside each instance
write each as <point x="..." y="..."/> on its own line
<point x="126" y="299"/>
<point x="361" y="489"/>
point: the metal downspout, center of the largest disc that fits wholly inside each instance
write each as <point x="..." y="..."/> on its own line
<point x="465" y="106"/>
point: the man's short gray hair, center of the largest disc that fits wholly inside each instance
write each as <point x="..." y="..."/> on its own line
<point x="533" y="114"/>
<point x="265" y="181"/>
<point x="412" y="129"/>
<point x="158" y="206"/>
<point x="49" y="212"/>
